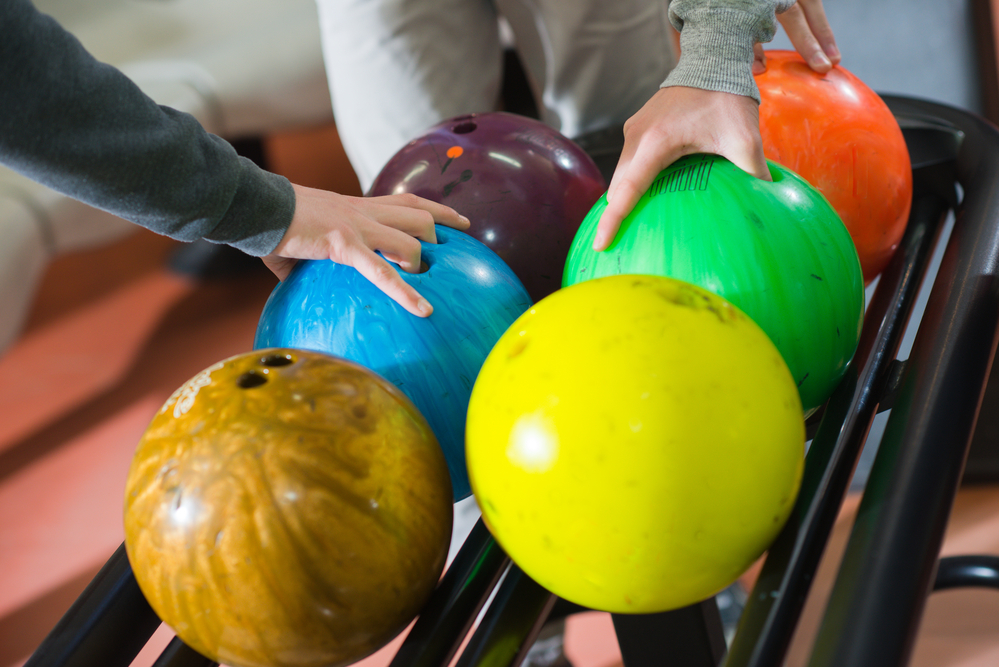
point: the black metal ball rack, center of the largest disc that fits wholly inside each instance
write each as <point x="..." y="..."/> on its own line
<point x="891" y="563"/>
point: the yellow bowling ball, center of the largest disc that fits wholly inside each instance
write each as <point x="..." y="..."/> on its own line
<point x="635" y="443"/>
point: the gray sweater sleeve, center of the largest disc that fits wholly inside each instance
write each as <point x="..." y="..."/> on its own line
<point x="84" y="129"/>
<point x="716" y="42"/>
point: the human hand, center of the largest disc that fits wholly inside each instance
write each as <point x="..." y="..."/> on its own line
<point x="348" y="230"/>
<point x="678" y="121"/>
<point x="808" y="29"/>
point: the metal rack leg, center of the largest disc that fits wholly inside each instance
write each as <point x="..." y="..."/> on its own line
<point x="179" y="654"/>
<point x="967" y="571"/>
<point x="107" y="625"/>
<point x="688" y="637"/>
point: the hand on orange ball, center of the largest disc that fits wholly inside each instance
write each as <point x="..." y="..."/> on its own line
<point x="808" y="29"/>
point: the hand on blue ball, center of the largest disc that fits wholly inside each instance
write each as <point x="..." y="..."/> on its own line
<point x="349" y="230"/>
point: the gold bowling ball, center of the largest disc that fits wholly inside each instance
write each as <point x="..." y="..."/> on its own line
<point x="287" y="508"/>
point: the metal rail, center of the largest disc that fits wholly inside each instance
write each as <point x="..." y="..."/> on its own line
<point x="887" y="571"/>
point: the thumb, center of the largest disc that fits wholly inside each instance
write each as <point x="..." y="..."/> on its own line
<point x="279" y="266"/>
<point x="759" y="59"/>
<point x="751" y="161"/>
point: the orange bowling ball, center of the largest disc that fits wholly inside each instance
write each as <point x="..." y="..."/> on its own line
<point x="285" y="508"/>
<point x="840" y="136"/>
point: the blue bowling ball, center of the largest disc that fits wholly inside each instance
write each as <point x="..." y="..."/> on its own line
<point x="331" y="308"/>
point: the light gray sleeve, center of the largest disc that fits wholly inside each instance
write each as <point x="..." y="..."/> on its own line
<point x="716" y="42"/>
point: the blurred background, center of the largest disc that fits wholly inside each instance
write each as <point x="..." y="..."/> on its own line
<point x="101" y="320"/>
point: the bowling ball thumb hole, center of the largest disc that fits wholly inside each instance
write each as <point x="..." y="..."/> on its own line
<point x="425" y="264"/>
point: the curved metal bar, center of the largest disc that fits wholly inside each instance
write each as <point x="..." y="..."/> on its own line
<point x="777" y="599"/>
<point x="967" y="571"/>
<point x="879" y="595"/>
<point x="511" y="623"/>
<point x="461" y="594"/>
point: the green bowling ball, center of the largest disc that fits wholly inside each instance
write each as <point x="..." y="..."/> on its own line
<point x="776" y="250"/>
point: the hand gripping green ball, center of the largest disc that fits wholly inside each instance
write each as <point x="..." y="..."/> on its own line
<point x="776" y="250"/>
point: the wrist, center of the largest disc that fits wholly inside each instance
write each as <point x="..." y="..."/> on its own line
<point x="716" y="47"/>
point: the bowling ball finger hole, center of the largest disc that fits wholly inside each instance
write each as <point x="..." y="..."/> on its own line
<point x="250" y="379"/>
<point x="464" y="128"/>
<point x="775" y="174"/>
<point x="424" y="266"/>
<point x="277" y="360"/>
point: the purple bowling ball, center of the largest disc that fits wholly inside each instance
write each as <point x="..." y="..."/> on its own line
<point x="525" y="187"/>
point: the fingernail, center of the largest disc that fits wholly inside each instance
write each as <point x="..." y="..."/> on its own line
<point x="424" y="306"/>
<point x="820" y="59"/>
<point x="465" y="220"/>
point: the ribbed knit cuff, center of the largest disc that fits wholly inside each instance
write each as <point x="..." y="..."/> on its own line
<point x="716" y="47"/>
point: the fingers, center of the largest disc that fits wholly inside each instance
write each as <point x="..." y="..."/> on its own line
<point x="678" y="121"/>
<point x="808" y="29"/>
<point x="397" y="246"/>
<point x="751" y="161"/>
<point x="625" y="198"/>
<point x="349" y="231"/>
<point x="415" y="222"/>
<point x="419" y="206"/>
<point x="743" y="146"/>
<point x="387" y="279"/>
<point x="632" y="177"/>
<point x="759" y="59"/>
<point x="815" y="13"/>
<point x="279" y="266"/>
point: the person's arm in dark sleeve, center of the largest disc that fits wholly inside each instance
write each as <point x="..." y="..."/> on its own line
<point x="86" y="130"/>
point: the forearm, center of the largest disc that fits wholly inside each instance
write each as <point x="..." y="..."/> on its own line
<point x="84" y="129"/>
<point x="716" y="42"/>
